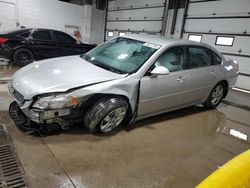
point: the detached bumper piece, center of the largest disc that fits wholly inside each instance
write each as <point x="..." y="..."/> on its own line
<point x="25" y="124"/>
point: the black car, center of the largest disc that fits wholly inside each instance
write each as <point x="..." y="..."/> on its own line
<point x="25" y="45"/>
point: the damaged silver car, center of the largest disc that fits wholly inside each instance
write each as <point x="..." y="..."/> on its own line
<point x="123" y="80"/>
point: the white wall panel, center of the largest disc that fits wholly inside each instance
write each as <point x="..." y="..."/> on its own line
<point x="218" y="25"/>
<point x="136" y="26"/>
<point x="7" y="15"/>
<point x="151" y="13"/>
<point x="243" y="82"/>
<point x="135" y="3"/>
<point x="52" y="14"/>
<point x="222" y="7"/>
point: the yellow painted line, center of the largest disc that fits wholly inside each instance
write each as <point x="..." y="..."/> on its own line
<point x="234" y="174"/>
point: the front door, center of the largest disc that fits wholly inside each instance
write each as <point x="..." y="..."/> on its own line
<point x="165" y="92"/>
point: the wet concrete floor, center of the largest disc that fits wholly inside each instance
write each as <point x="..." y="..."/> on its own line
<point x="175" y="150"/>
<point x="6" y="71"/>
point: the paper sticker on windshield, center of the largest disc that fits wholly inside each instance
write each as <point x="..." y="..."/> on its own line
<point x="155" y="46"/>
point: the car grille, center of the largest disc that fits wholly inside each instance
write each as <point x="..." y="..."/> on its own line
<point x="18" y="96"/>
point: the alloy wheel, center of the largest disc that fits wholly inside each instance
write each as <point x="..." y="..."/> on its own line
<point x="217" y="94"/>
<point x="113" y="119"/>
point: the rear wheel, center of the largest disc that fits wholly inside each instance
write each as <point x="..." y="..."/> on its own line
<point x="23" y="57"/>
<point x="106" y="114"/>
<point x="215" y="96"/>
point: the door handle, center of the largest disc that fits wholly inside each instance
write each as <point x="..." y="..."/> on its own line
<point x="181" y="78"/>
<point x="213" y="73"/>
<point x="28" y="42"/>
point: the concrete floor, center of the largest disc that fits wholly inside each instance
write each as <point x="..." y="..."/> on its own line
<point x="175" y="150"/>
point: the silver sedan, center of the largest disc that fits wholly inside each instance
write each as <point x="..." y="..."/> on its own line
<point x="123" y="80"/>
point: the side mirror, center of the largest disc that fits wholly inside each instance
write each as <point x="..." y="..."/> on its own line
<point x="160" y="70"/>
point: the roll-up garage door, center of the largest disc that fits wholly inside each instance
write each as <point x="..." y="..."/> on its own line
<point x="134" y="16"/>
<point x="224" y="24"/>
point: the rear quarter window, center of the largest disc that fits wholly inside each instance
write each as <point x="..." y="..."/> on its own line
<point x="24" y="35"/>
<point x="216" y="59"/>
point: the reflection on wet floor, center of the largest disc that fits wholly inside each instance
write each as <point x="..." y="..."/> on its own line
<point x="6" y="72"/>
<point x="178" y="149"/>
<point x="238" y="124"/>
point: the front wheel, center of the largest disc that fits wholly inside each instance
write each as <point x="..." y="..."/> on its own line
<point x="106" y="114"/>
<point x="215" y="96"/>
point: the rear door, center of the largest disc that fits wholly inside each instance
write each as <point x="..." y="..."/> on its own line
<point x="42" y="44"/>
<point x="202" y="72"/>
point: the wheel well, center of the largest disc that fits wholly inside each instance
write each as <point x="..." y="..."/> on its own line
<point x="96" y="97"/>
<point x="226" y="87"/>
<point x="22" y="47"/>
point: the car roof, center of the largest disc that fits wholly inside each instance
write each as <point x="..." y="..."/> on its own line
<point x="43" y="29"/>
<point x="18" y="31"/>
<point x="163" y="41"/>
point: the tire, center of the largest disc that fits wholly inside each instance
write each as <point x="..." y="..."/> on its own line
<point x="23" y="57"/>
<point x="106" y="115"/>
<point x="215" y="96"/>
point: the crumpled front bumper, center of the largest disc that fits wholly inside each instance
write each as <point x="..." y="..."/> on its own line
<point x="20" y="119"/>
<point x="24" y="115"/>
<point x="31" y="119"/>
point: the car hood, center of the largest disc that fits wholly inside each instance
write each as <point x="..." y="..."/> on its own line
<point x="58" y="75"/>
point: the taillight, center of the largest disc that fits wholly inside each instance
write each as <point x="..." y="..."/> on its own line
<point x="237" y="65"/>
<point x="3" y="40"/>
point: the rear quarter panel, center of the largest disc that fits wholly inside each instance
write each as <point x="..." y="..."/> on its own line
<point x="230" y="69"/>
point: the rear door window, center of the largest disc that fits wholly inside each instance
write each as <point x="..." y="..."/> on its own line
<point x="199" y="57"/>
<point x="64" y="38"/>
<point x="42" y="35"/>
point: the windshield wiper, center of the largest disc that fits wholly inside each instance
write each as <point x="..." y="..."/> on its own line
<point x="106" y="67"/>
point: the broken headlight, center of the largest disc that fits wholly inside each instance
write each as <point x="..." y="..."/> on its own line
<point x="56" y="102"/>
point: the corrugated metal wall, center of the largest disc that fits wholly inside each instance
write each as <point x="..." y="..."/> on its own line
<point x="227" y="23"/>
